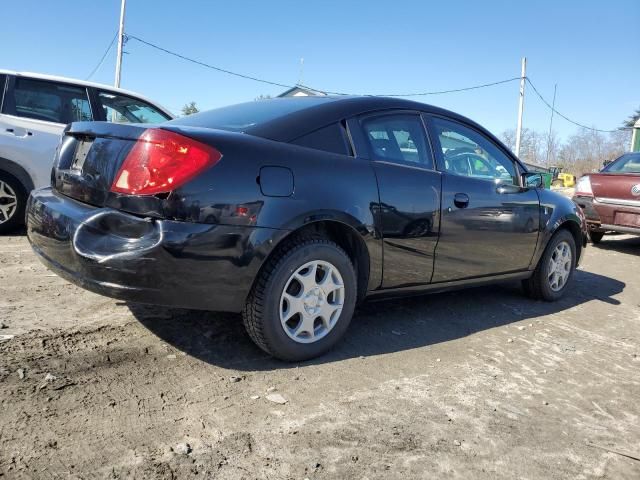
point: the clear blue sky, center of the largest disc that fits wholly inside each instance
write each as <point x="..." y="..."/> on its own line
<point x="586" y="47"/>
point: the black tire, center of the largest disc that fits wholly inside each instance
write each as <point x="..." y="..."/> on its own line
<point x="595" y="237"/>
<point x="538" y="286"/>
<point x="16" y="214"/>
<point x="261" y="315"/>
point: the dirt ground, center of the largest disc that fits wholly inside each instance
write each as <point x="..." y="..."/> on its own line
<point x="481" y="383"/>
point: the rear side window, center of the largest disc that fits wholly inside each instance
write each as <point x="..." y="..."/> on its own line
<point x="49" y="101"/>
<point x="123" y="109"/>
<point x="398" y="138"/>
<point x="331" y="138"/>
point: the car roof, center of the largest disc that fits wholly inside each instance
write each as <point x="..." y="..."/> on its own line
<point x="324" y="110"/>
<point x="84" y="83"/>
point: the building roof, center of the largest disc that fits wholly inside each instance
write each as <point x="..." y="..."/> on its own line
<point x="300" y="91"/>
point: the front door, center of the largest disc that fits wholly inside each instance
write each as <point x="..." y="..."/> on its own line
<point x="489" y="222"/>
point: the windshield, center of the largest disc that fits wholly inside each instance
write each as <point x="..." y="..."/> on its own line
<point x="627" y="163"/>
<point x="244" y="116"/>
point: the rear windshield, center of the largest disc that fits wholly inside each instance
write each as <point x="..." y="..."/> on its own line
<point x="244" y="116"/>
<point x="628" y="163"/>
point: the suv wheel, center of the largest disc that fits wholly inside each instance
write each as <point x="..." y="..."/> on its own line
<point x="555" y="269"/>
<point x="303" y="300"/>
<point x="13" y="198"/>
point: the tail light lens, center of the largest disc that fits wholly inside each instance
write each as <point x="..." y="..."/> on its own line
<point x="583" y="187"/>
<point x="161" y="161"/>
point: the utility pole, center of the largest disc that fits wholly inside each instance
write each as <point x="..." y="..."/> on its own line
<point x="523" y="78"/>
<point x="553" y="109"/>
<point x="120" y="44"/>
<point x="301" y="73"/>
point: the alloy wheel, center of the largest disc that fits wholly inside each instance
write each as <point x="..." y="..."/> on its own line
<point x="559" y="266"/>
<point x="312" y="301"/>
<point x="8" y="202"/>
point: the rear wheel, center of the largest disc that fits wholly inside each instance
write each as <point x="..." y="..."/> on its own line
<point x="303" y="300"/>
<point x="13" y="198"/>
<point x="595" y="237"/>
<point x="555" y="269"/>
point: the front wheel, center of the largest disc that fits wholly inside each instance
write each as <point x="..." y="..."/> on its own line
<point x="13" y="199"/>
<point x="555" y="269"/>
<point x="303" y="300"/>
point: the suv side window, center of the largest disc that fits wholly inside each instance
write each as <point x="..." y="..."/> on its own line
<point x="49" y="101"/>
<point x="398" y="138"/>
<point x="122" y="109"/>
<point x="469" y="153"/>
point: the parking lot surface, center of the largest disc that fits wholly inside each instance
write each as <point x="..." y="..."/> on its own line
<point x="480" y="383"/>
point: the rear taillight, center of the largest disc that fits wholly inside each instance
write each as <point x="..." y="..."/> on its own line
<point x="161" y="161"/>
<point x="583" y="187"/>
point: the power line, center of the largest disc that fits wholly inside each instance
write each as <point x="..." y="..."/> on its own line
<point x="284" y="85"/>
<point x="552" y="108"/>
<point x="103" y="56"/>
<point x="436" y="92"/>
<point x="212" y="67"/>
<point x="412" y="94"/>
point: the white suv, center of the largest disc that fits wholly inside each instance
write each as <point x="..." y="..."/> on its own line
<point x="34" y="110"/>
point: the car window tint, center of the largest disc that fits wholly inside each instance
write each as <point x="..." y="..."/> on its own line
<point x="330" y="139"/>
<point x="123" y="109"/>
<point x="471" y="154"/>
<point x="397" y="138"/>
<point x="50" y="101"/>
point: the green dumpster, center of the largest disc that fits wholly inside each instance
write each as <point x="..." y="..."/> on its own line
<point x="548" y="178"/>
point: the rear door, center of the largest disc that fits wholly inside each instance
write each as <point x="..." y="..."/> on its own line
<point x="408" y="215"/>
<point x="34" y="114"/>
<point x="489" y="221"/>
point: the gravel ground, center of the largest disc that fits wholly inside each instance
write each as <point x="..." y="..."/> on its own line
<point x="481" y="383"/>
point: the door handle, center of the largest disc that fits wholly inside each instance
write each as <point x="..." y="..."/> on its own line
<point x="10" y="130"/>
<point x="461" y="200"/>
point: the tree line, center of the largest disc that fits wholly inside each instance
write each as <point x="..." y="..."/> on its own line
<point x="583" y="152"/>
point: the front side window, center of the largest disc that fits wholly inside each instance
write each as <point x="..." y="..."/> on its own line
<point x="122" y="109"/>
<point x="468" y="153"/>
<point x="50" y="101"/>
<point x="397" y="138"/>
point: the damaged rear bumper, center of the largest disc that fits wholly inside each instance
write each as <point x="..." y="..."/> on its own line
<point x="162" y="262"/>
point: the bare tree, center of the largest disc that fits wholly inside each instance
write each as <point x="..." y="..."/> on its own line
<point x="583" y="152"/>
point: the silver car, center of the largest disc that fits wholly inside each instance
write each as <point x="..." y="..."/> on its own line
<point x="34" y="111"/>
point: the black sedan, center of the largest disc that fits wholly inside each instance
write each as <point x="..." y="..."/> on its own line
<point x="293" y="210"/>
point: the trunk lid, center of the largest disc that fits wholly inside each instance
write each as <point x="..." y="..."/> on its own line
<point x="616" y="186"/>
<point x="89" y="157"/>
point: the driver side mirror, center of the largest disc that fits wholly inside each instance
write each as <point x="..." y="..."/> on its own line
<point x="533" y="180"/>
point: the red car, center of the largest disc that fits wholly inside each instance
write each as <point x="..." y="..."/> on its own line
<point x="610" y="198"/>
